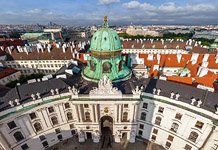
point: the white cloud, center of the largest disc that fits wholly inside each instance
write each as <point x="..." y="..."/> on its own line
<point x="106" y="2"/>
<point x="169" y="7"/>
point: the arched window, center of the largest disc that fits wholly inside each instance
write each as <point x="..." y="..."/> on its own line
<point x="87" y="116"/>
<point x="193" y="136"/>
<point x="18" y="136"/>
<point x="54" y="120"/>
<point x="106" y="67"/>
<point x="125" y="116"/>
<point x="174" y="127"/>
<point x="92" y="65"/>
<point x="37" y="126"/>
<point x="69" y="116"/>
<point x="120" y="65"/>
<point x="143" y="116"/>
<point x="158" y="120"/>
<point x="67" y="105"/>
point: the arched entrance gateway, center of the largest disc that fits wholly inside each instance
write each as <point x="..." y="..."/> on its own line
<point x="106" y="125"/>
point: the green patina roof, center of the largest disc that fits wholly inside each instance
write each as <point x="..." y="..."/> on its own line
<point x="114" y="67"/>
<point x="105" y="40"/>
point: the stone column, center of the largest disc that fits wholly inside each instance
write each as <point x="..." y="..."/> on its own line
<point x="29" y="125"/>
<point x="41" y="117"/>
<point x="96" y="112"/>
<point x="59" y="115"/>
<point x="61" y="109"/>
<point x="45" y="115"/>
<point x="119" y="113"/>
<point x="93" y="113"/>
<point x="23" y="128"/>
<point x="4" y="143"/>
<point x="79" y="111"/>
<point x="75" y="113"/>
<point x="116" y="112"/>
<point x="135" y="113"/>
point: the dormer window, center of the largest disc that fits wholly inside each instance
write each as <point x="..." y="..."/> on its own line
<point x="95" y="38"/>
<point x="105" y="38"/>
<point x="115" y="38"/>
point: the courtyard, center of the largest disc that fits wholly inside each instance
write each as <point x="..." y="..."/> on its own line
<point x="73" y="144"/>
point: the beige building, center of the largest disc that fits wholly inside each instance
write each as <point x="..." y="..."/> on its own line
<point x="139" y="30"/>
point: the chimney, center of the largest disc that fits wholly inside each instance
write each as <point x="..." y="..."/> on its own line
<point x="64" y="48"/>
<point x="158" y="91"/>
<point x="154" y="90"/>
<point x="11" y="103"/>
<point x="206" y="56"/>
<point x="57" y="91"/>
<point x="177" y="96"/>
<point x="158" y="58"/>
<point x="70" y="90"/>
<point x="38" y="95"/>
<point x="17" y="101"/>
<point x="172" y="94"/>
<point x="33" y="96"/>
<point x="179" y="57"/>
<point x="9" y="49"/>
<point x="193" y="101"/>
<point x="52" y="92"/>
<point x="199" y="103"/>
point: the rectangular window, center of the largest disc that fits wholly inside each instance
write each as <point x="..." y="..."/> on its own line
<point x="12" y="125"/>
<point x="42" y="137"/>
<point x="73" y="132"/>
<point x="155" y="131"/>
<point x="71" y="126"/>
<point x="141" y="126"/>
<point x="32" y="116"/>
<point x="57" y="130"/>
<point x="50" y="109"/>
<point x="24" y="147"/>
<point x="170" y="138"/>
<point x="168" y="144"/>
<point x="199" y="124"/>
<point x="145" y="105"/>
<point x="45" y="144"/>
<point x="67" y="105"/>
<point x="187" y="147"/>
<point x="160" y="109"/>
<point x="86" y="105"/>
<point x="125" y="106"/>
<point x="140" y="132"/>
<point x="178" y="116"/>
<point x="153" y="137"/>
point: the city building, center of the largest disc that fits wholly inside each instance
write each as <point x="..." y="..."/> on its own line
<point x="104" y="95"/>
<point x="8" y="74"/>
<point x="139" y="30"/>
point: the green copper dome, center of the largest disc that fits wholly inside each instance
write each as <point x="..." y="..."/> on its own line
<point x="106" y="57"/>
<point x="105" y="40"/>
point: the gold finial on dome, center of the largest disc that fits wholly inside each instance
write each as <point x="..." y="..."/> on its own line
<point x="105" y="21"/>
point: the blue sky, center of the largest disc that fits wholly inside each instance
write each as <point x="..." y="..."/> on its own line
<point x="88" y="12"/>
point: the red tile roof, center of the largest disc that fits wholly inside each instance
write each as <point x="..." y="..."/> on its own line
<point x="6" y="72"/>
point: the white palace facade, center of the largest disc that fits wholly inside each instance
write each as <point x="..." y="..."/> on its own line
<point x="166" y="120"/>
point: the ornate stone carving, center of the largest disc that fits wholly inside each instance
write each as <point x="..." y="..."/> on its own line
<point x="132" y="137"/>
<point x="81" y="136"/>
<point x="96" y="136"/>
<point x="105" y="87"/>
<point x="137" y="91"/>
